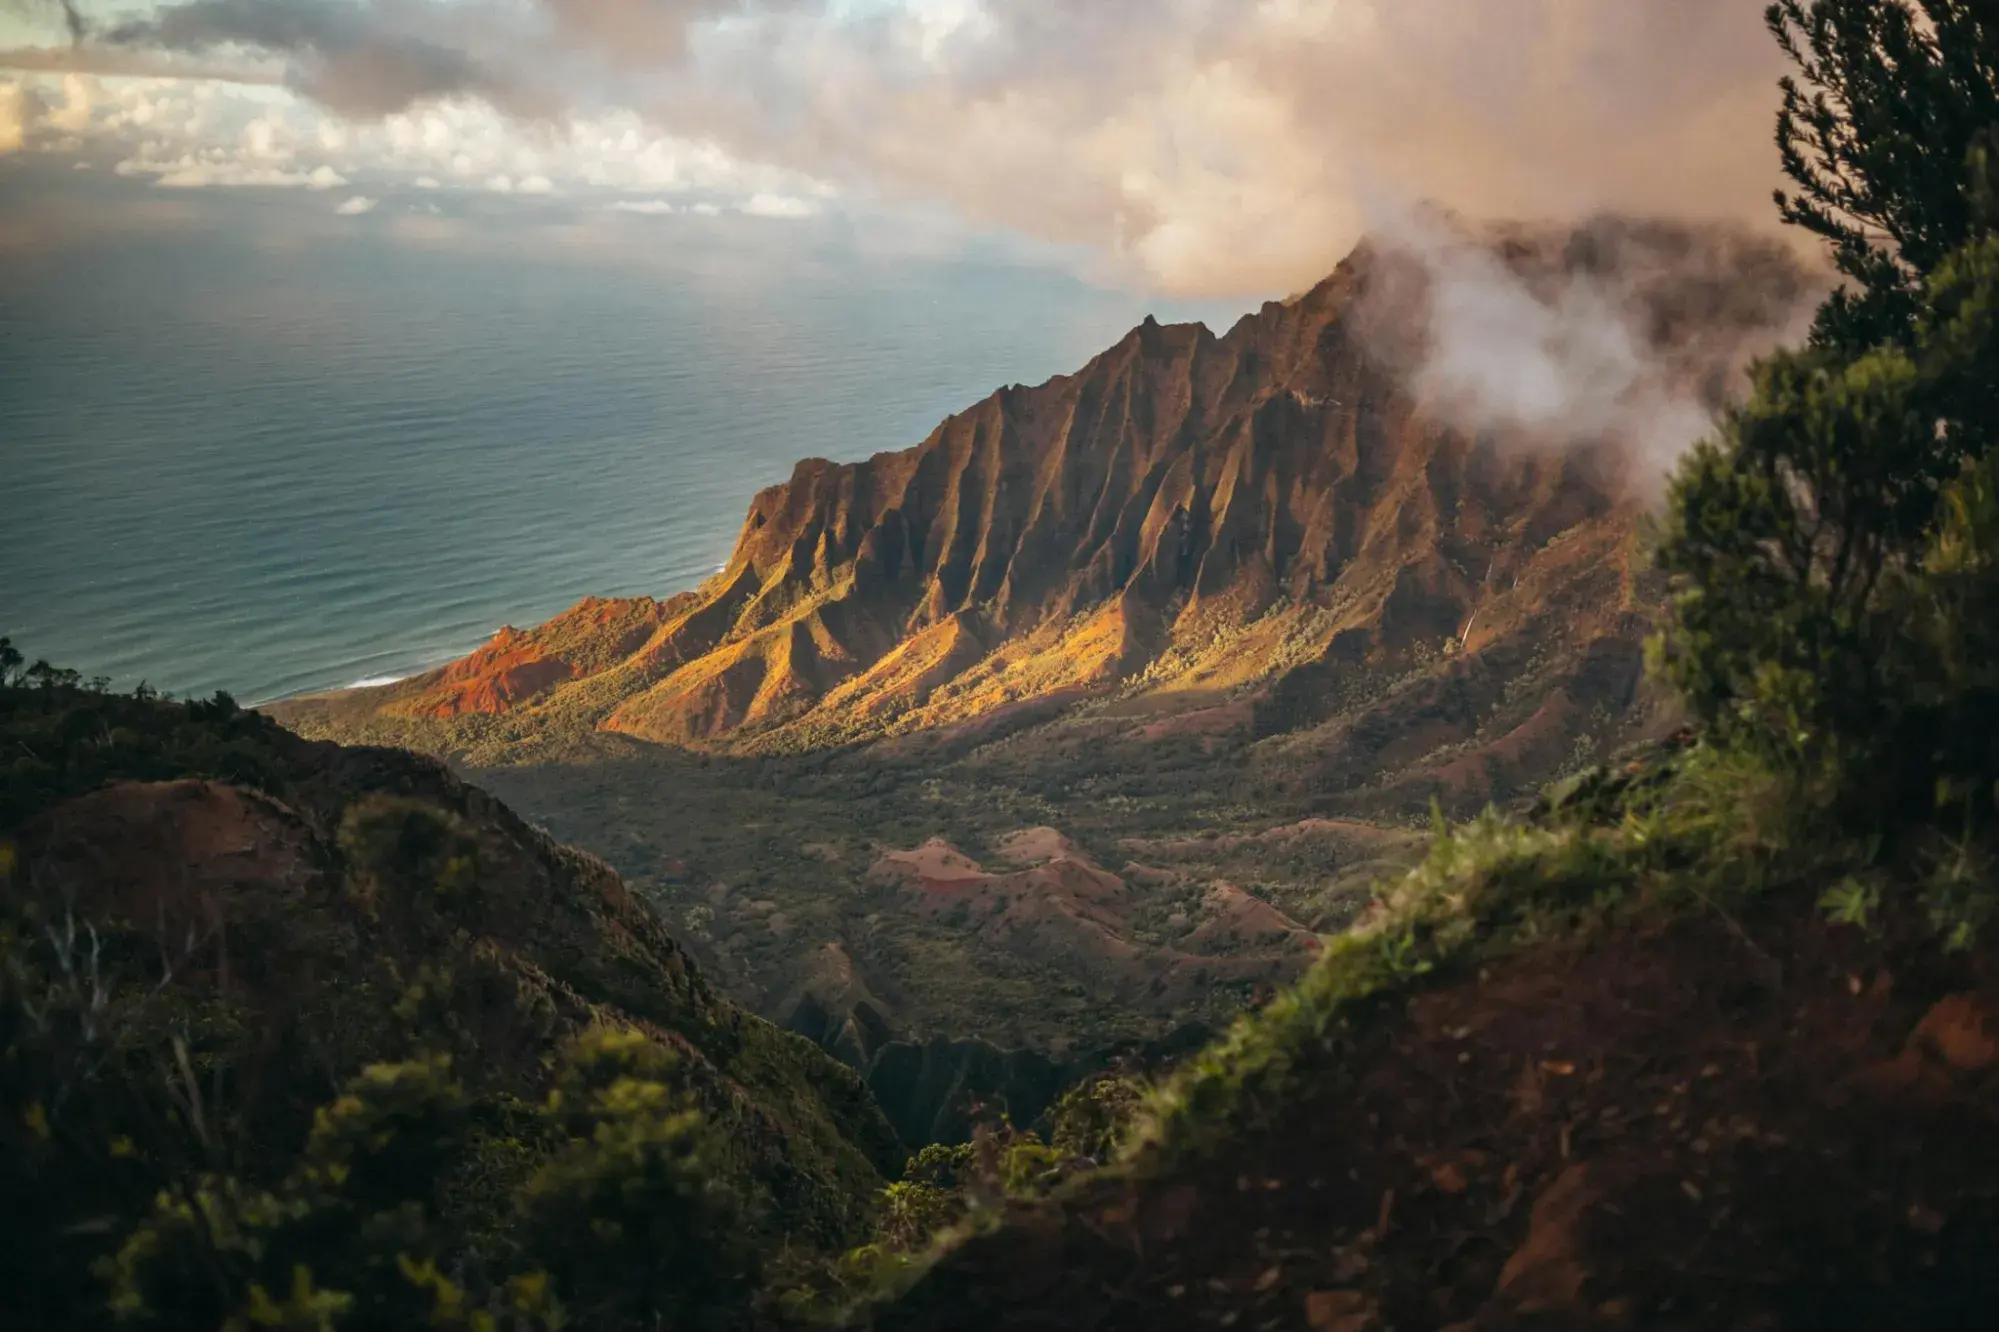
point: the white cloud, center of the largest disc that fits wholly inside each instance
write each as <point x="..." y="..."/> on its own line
<point x="13" y="117"/>
<point x="78" y="102"/>
<point x="650" y="206"/>
<point x="1630" y="348"/>
<point x="356" y="206"/>
<point x="193" y="174"/>
<point x="261" y="138"/>
<point x="192" y="133"/>
<point x="766" y="205"/>
<point x="1212" y="146"/>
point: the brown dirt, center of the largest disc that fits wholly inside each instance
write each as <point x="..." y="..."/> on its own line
<point x="1361" y="836"/>
<point x="199" y="862"/>
<point x="1243" y="920"/>
<point x="1218" y="721"/>
<point x="515" y="666"/>
<point x="1669" y="1129"/>
<point x="1065" y="909"/>
<point x="1032" y="846"/>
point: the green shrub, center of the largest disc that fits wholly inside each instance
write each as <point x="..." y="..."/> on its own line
<point x="348" y="1239"/>
<point x="628" y="1219"/>
<point x="623" y="1225"/>
<point x="913" y="1211"/>
<point x="403" y="854"/>
<point x="1832" y="552"/>
<point x="1829" y="548"/>
<point x="1091" y="1120"/>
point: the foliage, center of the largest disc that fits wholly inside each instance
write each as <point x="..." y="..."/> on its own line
<point x="948" y="1189"/>
<point x="16" y="672"/>
<point x="1715" y="829"/>
<point x="624" y="1220"/>
<point x="1835" y="551"/>
<point x="104" y="1111"/>
<point x="914" y="1211"/>
<point x="629" y="1217"/>
<point x="401" y="851"/>
<point x="1825" y="546"/>
<point x="66" y="736"/>
<point x="1828" y="612"/>
<point x="1090" y="1120"/>
<point x="1890" y="133"/>
<point x="347" y="1239"/>
<point x="943" y="1183"/>
<point x="179" y="1135"/>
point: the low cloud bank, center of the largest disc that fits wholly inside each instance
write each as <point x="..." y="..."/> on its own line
<point x="1211" y="147"/>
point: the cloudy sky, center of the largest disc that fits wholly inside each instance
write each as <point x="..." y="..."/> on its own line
<point x="1199" y="147"/>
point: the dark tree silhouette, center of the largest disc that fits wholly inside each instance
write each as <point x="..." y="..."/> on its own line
<point x="1893" y="109"/>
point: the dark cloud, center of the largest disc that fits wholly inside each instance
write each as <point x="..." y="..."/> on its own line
<point x="73" y="20"/>
<point x="141" y="63"/>
<point x="369" y="58"/>
<point x="354" y="58"/>
<point x="636" y="32"/>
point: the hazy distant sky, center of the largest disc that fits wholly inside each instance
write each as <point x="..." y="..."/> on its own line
<point x="1210" y="147"/>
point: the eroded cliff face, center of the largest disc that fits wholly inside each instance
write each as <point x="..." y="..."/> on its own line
<point x="1271" y="509"/>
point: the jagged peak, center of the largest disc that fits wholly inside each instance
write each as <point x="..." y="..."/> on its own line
<point x="1090" y="524"/>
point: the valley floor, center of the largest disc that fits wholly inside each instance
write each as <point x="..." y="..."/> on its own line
<point x="1106" y="874"/>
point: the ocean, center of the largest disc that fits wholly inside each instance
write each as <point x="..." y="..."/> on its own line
<point x="244" y="450"/>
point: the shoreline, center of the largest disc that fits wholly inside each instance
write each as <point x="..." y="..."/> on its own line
<point x="428" y="663"/>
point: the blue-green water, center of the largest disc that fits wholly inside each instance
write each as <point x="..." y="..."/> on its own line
<point x="237" y="457"/>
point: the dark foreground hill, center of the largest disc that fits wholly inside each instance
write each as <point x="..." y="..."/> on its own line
<point x="211" y="928"/>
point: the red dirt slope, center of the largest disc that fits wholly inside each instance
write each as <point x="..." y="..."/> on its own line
<point x="1670" y="1128"/>
<point x="1063" y="908"/>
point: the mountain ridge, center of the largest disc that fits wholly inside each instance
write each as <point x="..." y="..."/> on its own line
<point x="1068" y="539"/>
